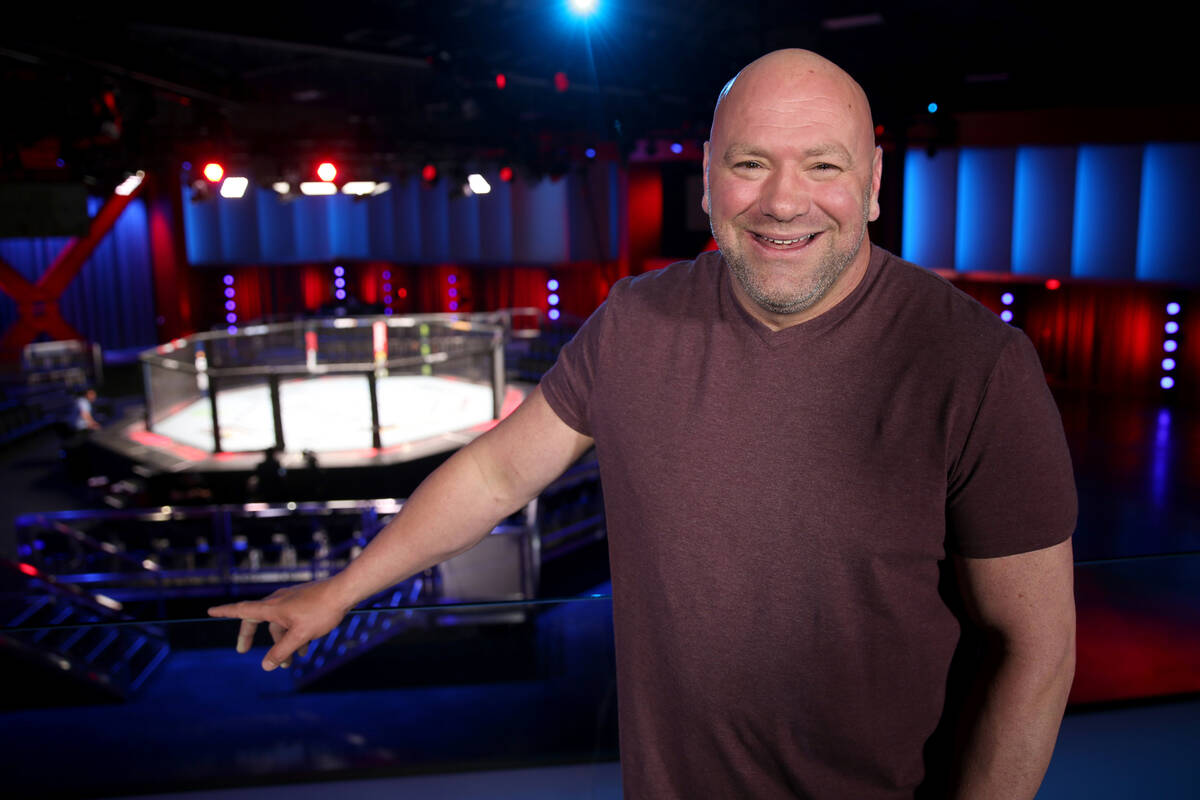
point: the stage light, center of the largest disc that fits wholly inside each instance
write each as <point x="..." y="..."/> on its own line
<point x="339" y="271"/>
<point x="1173" y="308"/>
<point x="554" y="314"/>
<point x="28" y="569"/>
<point x="583" y="8"/>
<point x="229" y="280"/>
<point x="230" y="305"/>
<point x="1167" y="382"/>
<point x="1168" y="364"/>
<point x="387" y="275"/>
<point x="553" y="299"/>
<point x="506" y="174"/>
<point x="340" y="294"/>
<point x="454" y="305"/>
<point x="478" y="183"/>
<point x="214" y="172"/>
<point x="380" y="188"/>
<point x="313" y="188"/>
<point x="234" y="187"/>
<point x="387" y="287"/>
<point x="281" y="187"/>
<point x="402" y="293"/>
<point x="231" y="318"/>
<point x="676" y="148"/>
<point x="452" y="292"/>
<point x="128" y="185"/>
<point x="326" y="171"/>
<point x="1172" y="327"/>
<point x="229" y="292"/>
<point x="1170" y="345"/>
<point x="552" y="285"/>
<point x="186" y="166"/>
<point x="452" y="279"/>
<point x="879" y="130"/>
<point x="359" y="188"/>
<point x="1053" y="284"/>
<point x="429" y="173"/>
<point x="501" y="80"/>
<point x="232" y="329"/>
<point x="1006" y="315"/>
<point x="590" y="153"/>
<point x="339" y="283"/>
<point x="1007" y="298"/>
<point x="932" y="108"/>
<point x="561" y="84"/>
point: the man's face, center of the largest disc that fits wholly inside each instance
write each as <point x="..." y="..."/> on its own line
<point x="791" y="180"/>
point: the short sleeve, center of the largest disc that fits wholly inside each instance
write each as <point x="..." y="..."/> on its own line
<point x="568" y="385"/>
<point x="1012" y="489"/>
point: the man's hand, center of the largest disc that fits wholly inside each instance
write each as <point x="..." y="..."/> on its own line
<point x="294" y="615"/>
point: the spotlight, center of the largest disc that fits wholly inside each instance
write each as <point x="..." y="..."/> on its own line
<point x="326" y="171"/>
<point x="506" y="174"/>
<point x="214" y="172"/>
<point x="129" y="184"/>
<point x="561" y="84"/>
<point x="1167" y="382"/>
<point x="552" y="285"/>
<point x="478" y="183"/>
<point x="1173" y="308"/>
<point x="359" y="188"/>
<point x="501" y="80"/>
<point x="281" y="187"/>
<point x="582" y="8"/>
<point x="1007" y="298"/>
<point x="1172" y="327"/>
<point x="590" y="153"/>
<point x="676" y="148"/>
<point x="429" y="173"/>
<point x="932" y="108"/>
<point x="1053" y="283"/>
<point x="234" y="187"/>
<point x="317" y="188"/>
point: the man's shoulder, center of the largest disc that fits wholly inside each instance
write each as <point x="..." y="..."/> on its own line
<point x="675" y="290"/>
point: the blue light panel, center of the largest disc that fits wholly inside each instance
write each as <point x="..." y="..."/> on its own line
<point x="930" y="184"/>
<point x="1104" y="239"/>
<point x="984" y="225"/>
<point x="1043" y="210"/>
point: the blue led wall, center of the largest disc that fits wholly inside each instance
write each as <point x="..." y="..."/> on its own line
<point x="573" y="218"/>
<point x="1117" y="212"/>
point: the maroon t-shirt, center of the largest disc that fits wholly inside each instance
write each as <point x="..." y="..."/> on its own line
<point x="780" y="505"/>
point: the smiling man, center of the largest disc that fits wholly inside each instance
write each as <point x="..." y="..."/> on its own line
<point x="820" y="463"/>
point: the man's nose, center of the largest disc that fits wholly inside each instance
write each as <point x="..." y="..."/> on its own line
<point x="785" y="195"/>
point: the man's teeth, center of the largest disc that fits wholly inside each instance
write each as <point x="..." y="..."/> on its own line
<point x="786" y="241"/>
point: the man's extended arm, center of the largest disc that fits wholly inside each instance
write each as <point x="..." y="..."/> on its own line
<point x="1026" y="605"/>
<point x="450" y="512"/>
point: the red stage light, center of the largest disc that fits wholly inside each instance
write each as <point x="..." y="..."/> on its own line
<point x="28" y="569"/>
<point x="429" y="173"/>
<point x="560" y="82"/>
<point x="402" y="293"/>
<point x="501" y="80"/>
<point x="1053" y="284"/>
<point x="326" y="171"/>
<point x="506" y="174"/>
<point x="879" y="130"/>
<point x="214" y="172"/>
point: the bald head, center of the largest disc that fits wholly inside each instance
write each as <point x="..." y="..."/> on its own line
<point x="785" y="77"/>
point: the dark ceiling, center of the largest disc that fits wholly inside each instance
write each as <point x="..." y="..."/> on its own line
<point x="112" y="86"/>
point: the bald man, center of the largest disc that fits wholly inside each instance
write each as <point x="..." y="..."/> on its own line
<point x="819" y="463"/>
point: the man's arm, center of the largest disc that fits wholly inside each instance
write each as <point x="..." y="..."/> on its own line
<point x="450" y="512"/>
<point x="1026" y="605"/>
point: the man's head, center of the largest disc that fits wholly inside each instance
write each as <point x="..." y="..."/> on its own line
<point x="791" y="178"/>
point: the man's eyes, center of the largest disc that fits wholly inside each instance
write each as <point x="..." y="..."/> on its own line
<point x="747" y="165"/>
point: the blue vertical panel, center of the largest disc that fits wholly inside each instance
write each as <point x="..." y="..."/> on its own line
<point x="464" y="227"/>
<point x="276" y="228"/>
<point x="311" y="228"/>
<point x="495" y="223"/>
<point x="201" y="229"/>
<point x="1104" y="241"/>
<point x="984" y="223"/>
<point x="434" y="204"/>
<point x="239" y="228"/>
<point x="406" y="206"/>
<point x="1043" y="210"/>
<point x="930" y="185"/>
<point x="381" y="233"/>
<point x="1168" y="213"/>
<point x="348" y="226"/>
<point x="541" y="228"/>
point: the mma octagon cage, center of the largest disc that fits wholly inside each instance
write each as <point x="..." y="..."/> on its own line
<point x="367" y="381"/>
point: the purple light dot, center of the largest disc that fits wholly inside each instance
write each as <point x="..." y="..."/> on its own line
<point x="1168" y="364"/>
<point x="452" y="279"/>
<point x="1170" y="345"/>
<point x="387" y="287"/>
<point x="229" y="280"/>
<point x="339" y="282"/>
<point x="1007" y="298"/>
<point x="1006" y="315"/>
<point x="230" y="305"/>
<point x="387" y="311"/>
<point x="454" y="305"/>
<point x="187" y="166"/>
<point x="676" y="148"/>
<point x="232" y="329"/>
<point x="338" y="271"/>
<point x="58" y="162"/>
<point x="1173" y="308"/>
<point x="1167" y="382"/>
<point x="340" y="294"/>
<point x="590" y="152"/>
<point x="231" y="318"/>
<point x="452" y="292"/>
<point x="387" y="298"/>
<point x="1172" y="327"/>
<point x="387" y="275"/>
<point x="229" y="292"/>
<point x="553" y="299"/>
<point x="554" y="313"/>
<point x="552" y="285"/>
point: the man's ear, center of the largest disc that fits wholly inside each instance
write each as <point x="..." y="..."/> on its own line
<point x="876" y="176"/>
